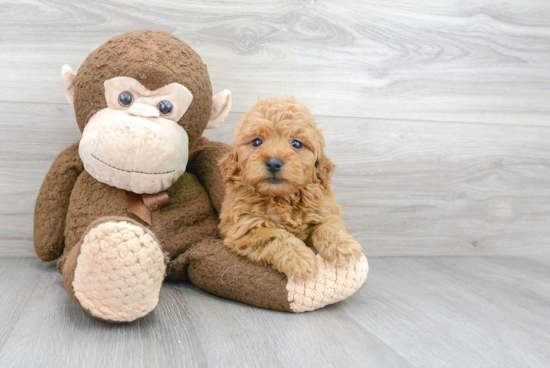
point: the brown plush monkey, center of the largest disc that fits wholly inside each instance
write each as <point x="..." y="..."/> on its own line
<point x="136" y="200"/>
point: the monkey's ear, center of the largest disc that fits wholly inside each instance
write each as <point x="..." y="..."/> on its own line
<point x="68" y="78"/>
<point x="221" y="103"/>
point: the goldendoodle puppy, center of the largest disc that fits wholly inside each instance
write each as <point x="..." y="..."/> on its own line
<point x="278" y="200"/>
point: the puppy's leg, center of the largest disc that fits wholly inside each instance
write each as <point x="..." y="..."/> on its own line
<point x="334" y="243"/>
<point x="279" y="248"/>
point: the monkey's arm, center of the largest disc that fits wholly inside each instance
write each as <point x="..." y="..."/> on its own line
<point x="52" y="204"/>
<point x="203" y="162"/>
<point x="211" y="266"/>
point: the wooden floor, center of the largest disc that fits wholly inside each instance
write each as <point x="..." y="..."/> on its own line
<point x="437" y="115"/>
<point x="449" y="311"/>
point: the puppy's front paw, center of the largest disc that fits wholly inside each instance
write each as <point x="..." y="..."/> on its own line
<point x="341" y="249"/>
<point x="300" y="264"/>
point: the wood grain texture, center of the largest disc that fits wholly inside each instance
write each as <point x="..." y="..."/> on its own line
<point x="189" y="328"/>
<point x="437" y="116"/>
<point x="454" y="311"/>
<point x="406" y="188"/>
<point x="31" y="137"/>
<point x="19" y="278"/>
<point x="459" y="312"/>
<point x="433" y="188"/>
<point x="474" y="61"/>
<point x="435" y="112"/>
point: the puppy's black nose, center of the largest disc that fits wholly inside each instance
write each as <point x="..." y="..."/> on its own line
<point x="274" y="165"/>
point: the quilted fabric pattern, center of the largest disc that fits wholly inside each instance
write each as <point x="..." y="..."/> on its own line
<point x="332" y="284"/>
<point x="119" y="271"/>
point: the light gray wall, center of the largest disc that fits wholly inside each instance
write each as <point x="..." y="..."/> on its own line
<point x="437" y="113"/>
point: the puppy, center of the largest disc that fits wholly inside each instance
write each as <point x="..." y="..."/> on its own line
<point x="278" y="201"/>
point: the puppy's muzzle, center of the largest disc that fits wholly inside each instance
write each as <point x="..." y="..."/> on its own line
<point x="274" y="165"/>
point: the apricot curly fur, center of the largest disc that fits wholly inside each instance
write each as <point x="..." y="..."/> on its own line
<point x="277" y="218"/>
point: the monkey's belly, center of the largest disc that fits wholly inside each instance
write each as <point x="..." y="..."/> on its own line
<point x="187" y="220"/>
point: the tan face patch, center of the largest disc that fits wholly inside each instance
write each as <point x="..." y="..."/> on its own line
<point x="131" y="144"/>
<point x="134" y="153"/>
<point x="178" y="95"/>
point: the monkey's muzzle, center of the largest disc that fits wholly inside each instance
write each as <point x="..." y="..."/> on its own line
<point x="133" y="153"/>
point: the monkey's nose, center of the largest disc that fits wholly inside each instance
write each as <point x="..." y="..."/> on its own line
<point x="274" y="165"/>
<point x="143" y="110"/>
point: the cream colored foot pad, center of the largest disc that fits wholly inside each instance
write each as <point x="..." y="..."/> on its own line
<point x="119" y="272"/>
<point x="331" y="285"/>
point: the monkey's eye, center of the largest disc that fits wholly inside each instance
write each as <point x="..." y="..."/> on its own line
<point x="165" y="107"/>
<point x="296" y="144"/>
<point x="125" y="99"/>
<point x="257" y="142"/>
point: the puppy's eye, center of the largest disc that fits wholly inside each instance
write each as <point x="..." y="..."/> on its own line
<point x="125" y="99"/>
<point x="257" y="142"/>
<point x="165" y="107"/>
<point x="296" y="144"/>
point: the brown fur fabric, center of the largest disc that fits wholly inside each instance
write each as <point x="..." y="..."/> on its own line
<point x="52" y="204"/>
<point x="186" y="221"/>
<point x="270" y="216"/>
<point x="70" y="199"/>
<point x="155" y="59"/>
<point x="201" y="159"/>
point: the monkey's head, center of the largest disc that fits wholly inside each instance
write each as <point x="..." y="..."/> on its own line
<point x="142" y="100"/>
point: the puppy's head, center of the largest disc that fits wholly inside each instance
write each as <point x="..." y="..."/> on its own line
<point x="278" y="149"/>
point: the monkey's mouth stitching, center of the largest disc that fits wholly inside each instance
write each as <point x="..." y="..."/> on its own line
<point x="128" y="171"/>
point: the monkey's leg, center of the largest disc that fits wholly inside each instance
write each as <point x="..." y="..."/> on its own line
<point x="116" y="271"/>
<point x="211" y="266"/>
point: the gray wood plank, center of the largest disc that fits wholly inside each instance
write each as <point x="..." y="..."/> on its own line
<point x="449" y="311"/>
<point x="428" y="188"/>
<point x="189" y="328"/>
<point x="459" y="312"/>
<point x="31" y="137"/>
<point x="18" y="280"/>
<point x="481" y="61"/>
<point x="406" y="187"/>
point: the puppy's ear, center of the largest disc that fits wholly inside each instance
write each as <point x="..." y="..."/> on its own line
<point x="228" y="165"/>
<point x="324" y="168"/>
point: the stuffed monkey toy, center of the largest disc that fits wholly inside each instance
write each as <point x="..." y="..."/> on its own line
<point x="136" y="200"/>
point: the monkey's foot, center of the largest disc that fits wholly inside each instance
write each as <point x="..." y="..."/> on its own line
<point x="119" y="271"/>
<point x="332" y="284"/>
